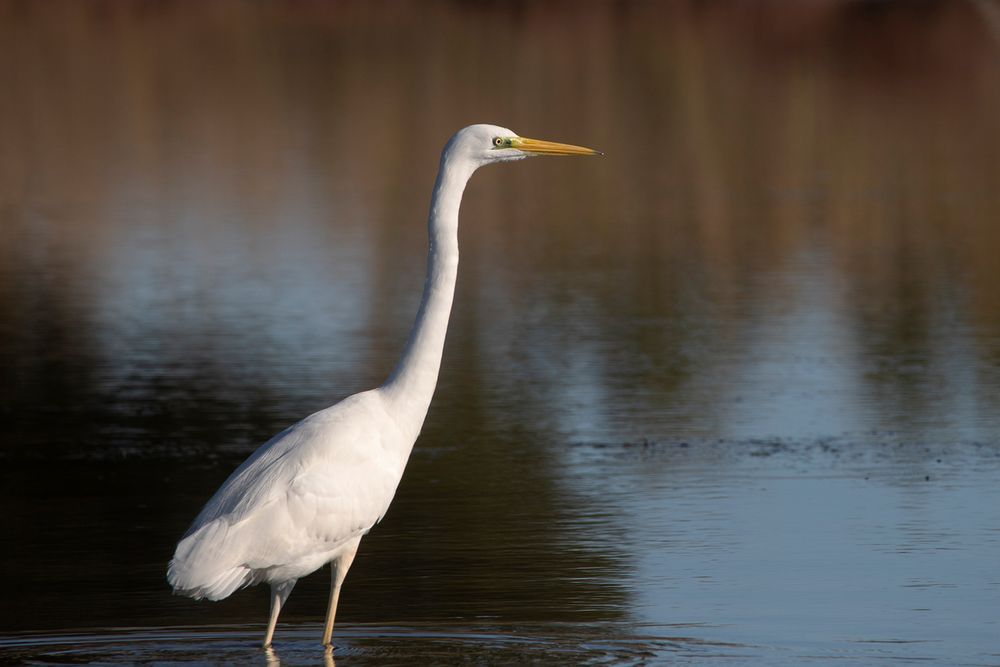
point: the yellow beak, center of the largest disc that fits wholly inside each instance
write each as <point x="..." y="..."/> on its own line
<point x="539" y="147"/>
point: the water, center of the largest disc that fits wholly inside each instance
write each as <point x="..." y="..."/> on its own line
<point x="730" y="394"/>
<point x="687" y="552"/>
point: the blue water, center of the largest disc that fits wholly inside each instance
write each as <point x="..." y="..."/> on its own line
<point x="775" y="552"/>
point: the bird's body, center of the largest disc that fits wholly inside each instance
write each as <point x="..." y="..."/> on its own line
<point x="296" y="503"/>
<point x="307" y="496"/>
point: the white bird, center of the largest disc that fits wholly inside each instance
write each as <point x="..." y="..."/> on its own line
<point x="307" y="496"/>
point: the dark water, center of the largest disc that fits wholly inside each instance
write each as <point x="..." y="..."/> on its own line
<point x="729" y="395"/>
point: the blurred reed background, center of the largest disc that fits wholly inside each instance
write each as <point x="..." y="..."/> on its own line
<point x="159" y="151"/>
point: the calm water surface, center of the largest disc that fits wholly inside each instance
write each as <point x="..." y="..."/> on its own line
<point x="729" y="395"/>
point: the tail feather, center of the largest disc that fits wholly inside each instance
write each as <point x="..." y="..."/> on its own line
<point x="200" y="568"/>
<point x="217" y="586"/>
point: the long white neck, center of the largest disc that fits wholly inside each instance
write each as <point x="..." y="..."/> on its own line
<point x="409" y="389"/>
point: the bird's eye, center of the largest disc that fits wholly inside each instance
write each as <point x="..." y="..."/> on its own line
<point x="498" y="142"/>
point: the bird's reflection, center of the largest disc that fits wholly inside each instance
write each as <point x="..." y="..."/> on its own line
<point x="273" y="660"/>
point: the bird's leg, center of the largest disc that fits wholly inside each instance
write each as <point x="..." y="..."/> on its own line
<point x="275" y="610"/>
<point x="338" y="570"/>
<point x="279" y="593"/>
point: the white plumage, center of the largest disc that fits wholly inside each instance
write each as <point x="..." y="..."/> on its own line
<point x="294" y="504"/>
<point x="307" y="496"/>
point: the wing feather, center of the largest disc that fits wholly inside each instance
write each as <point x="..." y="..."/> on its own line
<point x="302" y="495"/>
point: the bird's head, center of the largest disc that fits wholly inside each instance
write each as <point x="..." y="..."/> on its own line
<point x="485" y="144"/>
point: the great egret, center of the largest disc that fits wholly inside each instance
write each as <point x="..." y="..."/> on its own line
<point x="307" y="496"/>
